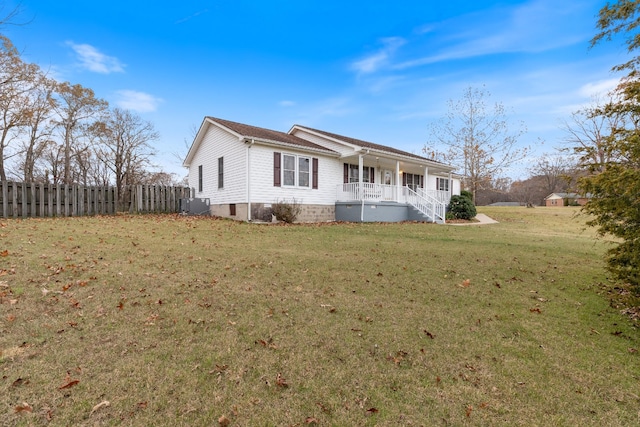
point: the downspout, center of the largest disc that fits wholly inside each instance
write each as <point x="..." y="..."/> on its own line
<point x="249" y="179"/>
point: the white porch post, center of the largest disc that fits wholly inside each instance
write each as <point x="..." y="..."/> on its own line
<point x="426" y="179"/>
<point x="450" y="186"/>
<point x="398" y="182"/>
<point x="360" y="174"/>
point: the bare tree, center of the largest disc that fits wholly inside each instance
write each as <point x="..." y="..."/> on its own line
<point x="38" y="127"/>
<point x="587" y="133"/>
<point x="17" y="79"/>
<point x="124" y="146"/>
<point x="76" y="107"/>
<point x="555" y="171"/>
<point x="478" y="139"/>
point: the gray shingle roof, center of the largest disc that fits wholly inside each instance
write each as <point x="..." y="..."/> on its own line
<point x="255" y="132"/>
<point x="366" y="144"/>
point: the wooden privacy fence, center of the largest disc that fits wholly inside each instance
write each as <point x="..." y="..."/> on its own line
<point x="24" y="200"/>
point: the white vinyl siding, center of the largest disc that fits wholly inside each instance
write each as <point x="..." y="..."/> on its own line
<point x="263" y="190"/>
<point x="217" y="143"/>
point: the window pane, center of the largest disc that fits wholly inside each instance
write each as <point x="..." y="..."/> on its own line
<point x="303" y="164"/>
<point x="303" y="171"/>
<point x="353" y="173"/>
<point x="289" y="162"/>
<point x="303" y="179"/>
<point x="289" y="170"/>
<point x="289" y="177"/>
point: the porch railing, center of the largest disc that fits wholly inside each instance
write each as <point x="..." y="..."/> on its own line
<point x="432" y="203"/>
<point x="379" y="192"/>
<point x="426" y="204"/>
<point x="367" y="191"/>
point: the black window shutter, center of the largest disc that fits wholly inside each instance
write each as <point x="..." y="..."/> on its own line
<point x="314" y="177"/>
<point x="404" y="179"/>
<point x="346" y="173"/>
<point x="276" y="169"/>
<point x="372" y="174"/>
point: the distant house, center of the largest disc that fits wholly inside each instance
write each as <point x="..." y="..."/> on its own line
<point x="566" y="199"/>
<point x="244" y="169"/>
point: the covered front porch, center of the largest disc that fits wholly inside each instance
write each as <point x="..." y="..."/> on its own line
<point x="393" y="189"/>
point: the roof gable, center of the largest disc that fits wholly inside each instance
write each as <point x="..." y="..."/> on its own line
<point x="258" y="134"/>
<point x="363" y="144"/>
<point x="268" y="135"/>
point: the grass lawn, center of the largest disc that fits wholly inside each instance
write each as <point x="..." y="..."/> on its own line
<point x="167" y="320"/>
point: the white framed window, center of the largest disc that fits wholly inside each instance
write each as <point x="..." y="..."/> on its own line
<point x="367" y="172"/>
<point x="442" y="184"/>
<point x="296" y="171"/>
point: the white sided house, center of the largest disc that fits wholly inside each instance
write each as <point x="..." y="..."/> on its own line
<point x="243" y="170"/>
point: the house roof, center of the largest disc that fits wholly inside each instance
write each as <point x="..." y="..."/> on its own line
<point x="268" y="135"/>
<point x="567" y="196"/>
<point x="248" y="132"/>
<point x="366" y="144"/>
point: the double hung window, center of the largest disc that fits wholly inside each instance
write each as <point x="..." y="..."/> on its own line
<point x="296" y="171"/>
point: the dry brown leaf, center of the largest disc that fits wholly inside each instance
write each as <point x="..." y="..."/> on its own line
<point x="281" y="382"/>
<point x="23" y="407"/>
<point x="465" y="283"/>
<point x="102" y="404"/>
<point x="4" y="253"/>
<point x="223" y="421"/>
<point x="69" y="384"/>
<point x="311" y="420"/>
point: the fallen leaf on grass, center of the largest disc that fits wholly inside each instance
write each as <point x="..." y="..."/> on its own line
<point x="69" y="384"/>
<point x="24" y="407"/>
<point x="311" y="420"/>
<point x="469" y="410"/>
<point x="372" y="411"/>
<point x="102" y="404"/>
<point x="281" y="382"/>
<point x="142" y="405"/>
<point x="11" y="317"/>
<point x="4" y="253"/>
<point x="465" y="283"/>
<point x="429" y="334"/>
<point x="223" y="421"/>
<point x="19" y="382"/>
<point x="535" y="310"/>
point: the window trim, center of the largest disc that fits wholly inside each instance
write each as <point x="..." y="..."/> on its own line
<point x="220" y="172"/>
<point x="368" y="173"/>
<point x="440" y="180"/>
<point x="296" y="171"/>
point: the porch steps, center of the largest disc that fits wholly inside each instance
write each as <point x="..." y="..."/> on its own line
<point x="416" y="215"/>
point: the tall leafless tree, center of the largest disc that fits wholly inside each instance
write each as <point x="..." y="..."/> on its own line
<point x="478" y="139"/>
<point x="77" y="108"/>
<point x="124" y="146"/>
<point x="17" y="79"/>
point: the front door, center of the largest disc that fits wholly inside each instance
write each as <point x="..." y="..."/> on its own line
<point x="387" y="180"/>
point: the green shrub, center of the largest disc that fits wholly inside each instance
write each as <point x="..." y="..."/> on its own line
<point x="468" y="194"/>
<point x="462" y="207"/>
<point x="286" y="211"/>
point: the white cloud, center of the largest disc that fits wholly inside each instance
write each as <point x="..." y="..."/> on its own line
<point x="137" y="101"/>
<point x="377" y="60"/>
<point x="599" y="88"/>
<point x="94" y="60"/>
<point x="286" y="103"/>
<point x="534" y="26"/>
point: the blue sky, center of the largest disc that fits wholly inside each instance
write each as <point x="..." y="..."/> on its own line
<point x="381" y="71"/>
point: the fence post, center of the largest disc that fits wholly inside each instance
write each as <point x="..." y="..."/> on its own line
<point x="5" y="201"/>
